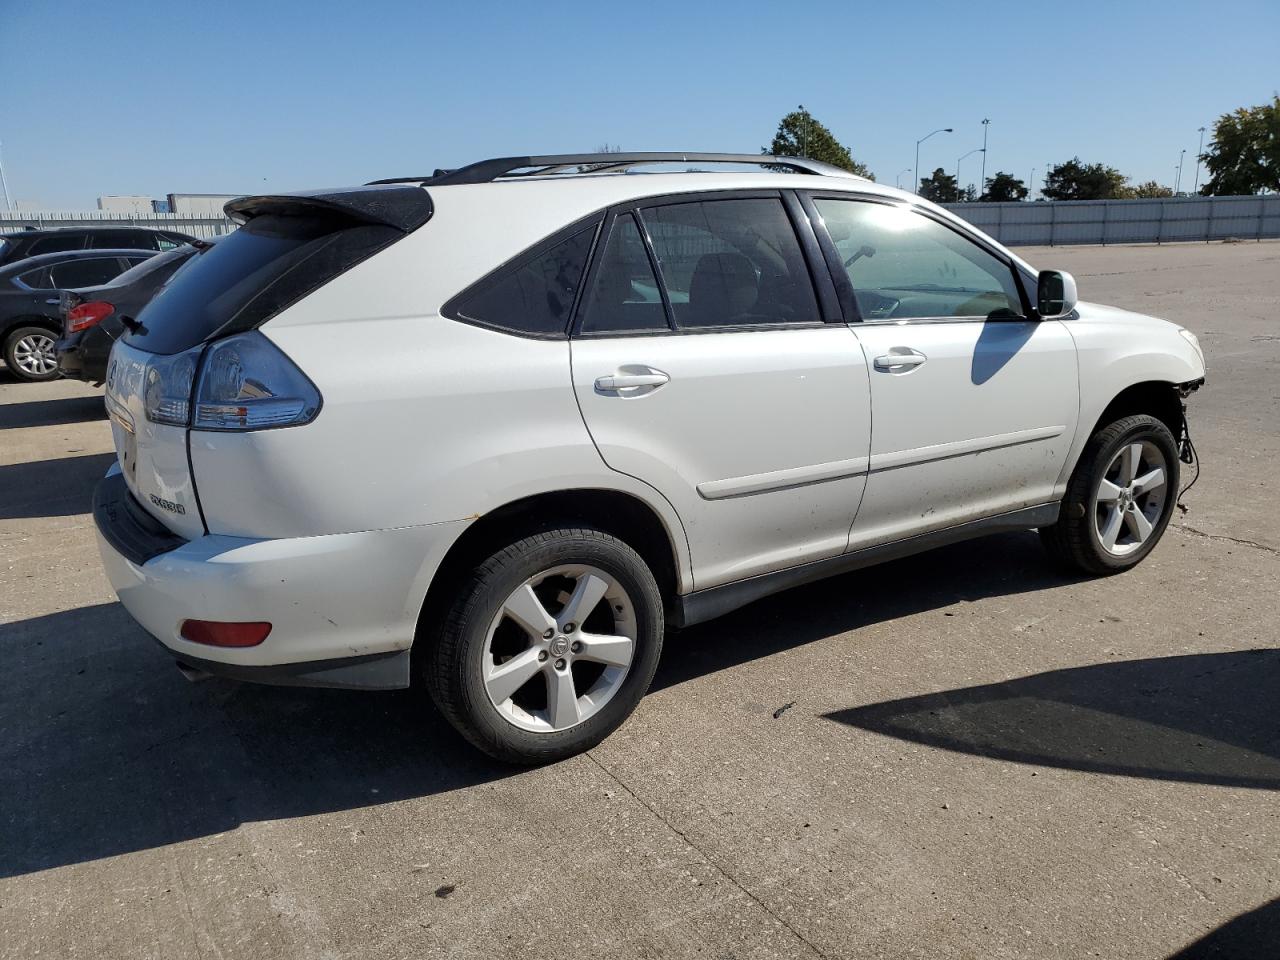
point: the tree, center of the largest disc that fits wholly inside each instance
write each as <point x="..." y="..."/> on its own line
<point x="1244" y="156"/>
<point x="1074" y="180"/>
<point x="940" y="187"/>
<point x="1004" y="186"/>
<point x="800" y="135"/>
<point x="1145" y="191"/>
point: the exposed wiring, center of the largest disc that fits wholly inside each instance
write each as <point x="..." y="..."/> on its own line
<point x="1187" y="454"/>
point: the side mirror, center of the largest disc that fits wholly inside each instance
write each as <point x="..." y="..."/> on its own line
<point x="1055" y="294"/>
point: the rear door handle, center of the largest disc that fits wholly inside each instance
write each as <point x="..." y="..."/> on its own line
<point x="624" y="381"/>
<point x="53" y="300"/>
<point x="900" y="361"/>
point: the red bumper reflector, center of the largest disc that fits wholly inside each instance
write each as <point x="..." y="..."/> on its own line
<point x="217" y="634"/>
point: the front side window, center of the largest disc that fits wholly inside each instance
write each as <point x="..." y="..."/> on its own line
<point x="624" y="295"/>
<point x="85" y="273"/>
<point x="905" y="265"/>
<point x="731" y="263"/>
<point x="533" y="297"/>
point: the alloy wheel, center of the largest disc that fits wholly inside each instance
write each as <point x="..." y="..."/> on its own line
<point x="1130" y="497"/>
<point x="560" y="648"/>
<point x="35" y="355"/>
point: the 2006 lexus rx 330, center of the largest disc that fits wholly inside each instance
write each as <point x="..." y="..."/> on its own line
<point x="494" y="429"/>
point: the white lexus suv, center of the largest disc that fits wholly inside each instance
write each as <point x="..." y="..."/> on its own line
<point x="497" y="428"/>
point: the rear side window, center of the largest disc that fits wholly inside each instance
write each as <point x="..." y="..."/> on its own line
<point x="250" y="275"/>
<point x="90" y="272"/>
<point x="533" y="296"/>
<point x="57" y="243"/>
<point x="37" y="279"/>
<point x="159" y="267"/>
<point x="123" y="240"/>
<point x="731" y="263"/>
<point x="624" y="295"/>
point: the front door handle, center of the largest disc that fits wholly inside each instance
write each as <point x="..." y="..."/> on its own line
<point x="624" y="379"/>
<point x="905" y="360"/>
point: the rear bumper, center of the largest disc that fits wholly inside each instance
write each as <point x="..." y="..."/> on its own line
<point x="343" y="608"/>
<point x="84" y="355"/>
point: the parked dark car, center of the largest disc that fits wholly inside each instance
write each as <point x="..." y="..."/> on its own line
<point x="94" y="317"/>
<point x="32" y="243"/>
<point x="31" y="302"/>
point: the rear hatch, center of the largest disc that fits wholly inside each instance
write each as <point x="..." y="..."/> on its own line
<point x="287" y="247"/>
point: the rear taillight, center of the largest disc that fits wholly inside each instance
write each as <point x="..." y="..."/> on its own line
<point x="247" y="383"/>
<point x="216" y="633"/>
<point x="243" y="383"/>
<point x="88" y="315"/>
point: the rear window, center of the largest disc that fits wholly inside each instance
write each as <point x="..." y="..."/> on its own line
<point x="164" y="263"/>
<point x="249" y="276"/>
<point x="123" y="240"/>
<point x="90" y="272"/>
<point x="57" y="243"/>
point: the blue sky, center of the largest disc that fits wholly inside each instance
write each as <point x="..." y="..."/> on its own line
<point x="130" y="97"/>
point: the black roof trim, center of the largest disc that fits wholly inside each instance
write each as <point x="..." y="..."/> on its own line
<point x="403" y="207"/>
<point x="485" y="171"/>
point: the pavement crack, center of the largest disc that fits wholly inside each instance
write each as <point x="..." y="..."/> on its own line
<point x="1218" y="536"/>
<point x="782" y="921"/>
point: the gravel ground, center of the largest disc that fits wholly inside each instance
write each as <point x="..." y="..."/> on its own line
<point x="980" y="758"/>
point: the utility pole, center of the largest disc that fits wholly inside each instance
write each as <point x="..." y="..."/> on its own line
<point x="1177" y="183"/>
<point x="804" y="141"/>
<point x="4" y="184"/>
<point x="982" y="183"/>
<point x="1196" y="188"/>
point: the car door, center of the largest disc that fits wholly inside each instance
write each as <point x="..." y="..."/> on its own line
<point x="703" y="366"/>
<point x="974" y="401"/>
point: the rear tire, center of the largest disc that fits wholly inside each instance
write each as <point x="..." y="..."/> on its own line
<point x="548" y="646"/>
<point x="1119" y="499"/>
<point x="30" y="355"/>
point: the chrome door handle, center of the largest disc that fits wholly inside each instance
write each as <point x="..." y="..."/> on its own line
<point x="899" y="361"/>
<point x="53" y="300"/>
<point x="623" y="381"/>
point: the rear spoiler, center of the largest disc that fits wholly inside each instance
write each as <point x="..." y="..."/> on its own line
<point x="403" y="207"/>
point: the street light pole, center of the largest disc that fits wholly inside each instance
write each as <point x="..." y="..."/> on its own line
<point x="969" y="154"/>
<point x="804" y="143"/>
<point x="4" y="184"/>
<point x="1196" y="188"/>
<point x="982" y="181"/>
<point x="1177" y="183"/>
<point x="918" y="142"/>
<point x="897" y="181"/>
<point x="1031" y="184"/>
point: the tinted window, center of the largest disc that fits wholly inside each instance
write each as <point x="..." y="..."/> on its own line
<point x="123" y="240"/>
<point x="85" y="273"/>
<point x="37" y="279"/>
<point x="168" y="243"/>
<point x="903" y="264"/>
<point x="249" y="276"/>
<point x="159" y="266"/>
<point x="731" y="262"/>
<point x="532" y="297"/>
<point x="57" y="243"/>
<point x="624" y="294"/>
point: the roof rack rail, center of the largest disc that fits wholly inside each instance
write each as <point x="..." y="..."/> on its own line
<point x="486" y="171"/>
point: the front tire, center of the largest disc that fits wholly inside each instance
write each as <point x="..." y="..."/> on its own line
<point x="30" y="353"/>
<point x="1119" y="500"/>
<point x="548" y="646"/>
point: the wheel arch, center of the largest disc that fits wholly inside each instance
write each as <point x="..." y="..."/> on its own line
<point x="623" y="514"/>
<point x="28" y="320"/>
<point x="1161" y="399"/>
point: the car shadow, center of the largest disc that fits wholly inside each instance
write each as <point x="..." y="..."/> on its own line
<point x="49" y="413"/>
<point x="1199" y="718"/>
<point x="998" y="565"/>
<point x="61" y="487"/>
<point x="107" y="750"/>
<point x="1255" y="934"/>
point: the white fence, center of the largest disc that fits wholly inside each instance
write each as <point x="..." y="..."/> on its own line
<point x="1014" y="224"/>
<point x="1173" y="220"/>
<point x="12" y="221"/>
